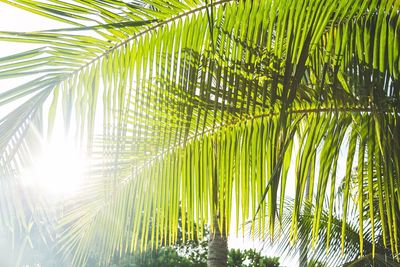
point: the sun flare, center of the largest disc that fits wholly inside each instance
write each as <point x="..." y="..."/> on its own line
<point x="57" y="171"/>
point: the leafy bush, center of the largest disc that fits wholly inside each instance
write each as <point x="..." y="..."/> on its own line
<point x="250" y="258"/>
<point x="169" y="257"/>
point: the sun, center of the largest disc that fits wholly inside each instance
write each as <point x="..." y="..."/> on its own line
<point x="57" y="171"/>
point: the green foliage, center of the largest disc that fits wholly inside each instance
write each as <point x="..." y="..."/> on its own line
<point x="192" y="253"/>
<point x="202" y="97"/>
<point x="173" y="256"/>
<point x="167" y="257"/>
<point x="250" y="258"/>
<point x="194" y="250"/>
<point x="314" y="263"/>
<point x="235" y="258"/>
<point x="338" y="253"/>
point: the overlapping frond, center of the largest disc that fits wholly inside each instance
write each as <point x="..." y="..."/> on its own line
<point x="207" y="105"/>
<point x="331" y="240"/>
<point x="61" y="72"/>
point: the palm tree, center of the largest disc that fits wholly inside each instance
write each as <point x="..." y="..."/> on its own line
<point x="328" y="246"/>
<point x="204" y="105"/>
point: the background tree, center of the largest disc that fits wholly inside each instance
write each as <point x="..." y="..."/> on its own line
<point x="203" y="105"/>
<point x="170" y="257"/>
<point x="333" y="248"/>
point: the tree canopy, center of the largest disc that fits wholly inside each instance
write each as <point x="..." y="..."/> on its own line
<point x="214" y="106"/>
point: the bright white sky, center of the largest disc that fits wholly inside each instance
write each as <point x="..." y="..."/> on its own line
<point x="13" y="19"/>
<point x="58" y="170"/>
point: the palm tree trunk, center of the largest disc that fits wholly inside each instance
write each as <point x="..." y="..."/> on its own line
<point x="217" y="248"/>
<point x="218" y="244"/>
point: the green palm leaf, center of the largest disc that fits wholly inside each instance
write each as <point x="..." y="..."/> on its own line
<point x="204" y="107"/>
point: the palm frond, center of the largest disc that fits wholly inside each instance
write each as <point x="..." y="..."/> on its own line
<point x="223" y="92"/>
<point x="331" y="248"/>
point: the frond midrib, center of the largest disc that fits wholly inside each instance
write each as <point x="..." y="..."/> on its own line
<point x="244" y="119"/>
<point x="150" y="29"/>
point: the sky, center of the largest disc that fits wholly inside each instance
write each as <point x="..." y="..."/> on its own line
<point x="13" y="19"/>
<point x="41" y="175"/>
